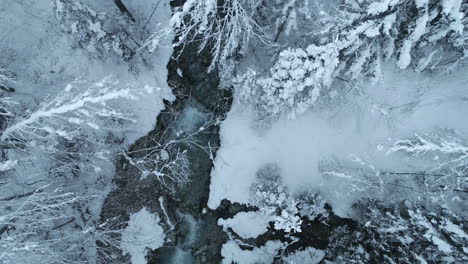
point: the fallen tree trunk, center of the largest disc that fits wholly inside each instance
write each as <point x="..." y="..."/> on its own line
<point x="124" y="9"/>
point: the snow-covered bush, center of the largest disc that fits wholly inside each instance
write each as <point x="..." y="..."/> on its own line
<point x="400" y="233"/>
<point x="93" y="31"/>
<point x="275" y="201"/>
<point x="312" y="206"/>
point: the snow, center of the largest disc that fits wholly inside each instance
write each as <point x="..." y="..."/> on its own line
<point x="55" y="62"/>
<point x="420" y="28"/>
<point x="179" y="72"/>
<point x="441" y="244"/>
<point x="232" y="253"/>
<point x="363" y="126"/>
<point x="246" y="224"/>
<point x="307" y="256"/>
<point x="7" y="165"/>
<point x="60" y="106"/>
<point x="450" y="6"/>
<point x="379" y="7"/>
<point x="455" y="229"/>
<point x="166" y="216"/>
<point x="142" y="233"/>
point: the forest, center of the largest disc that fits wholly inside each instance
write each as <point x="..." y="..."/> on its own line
<point x="233" y="131"/>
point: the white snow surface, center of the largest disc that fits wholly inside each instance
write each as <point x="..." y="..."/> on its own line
<point x="247" y="224"/>
<point x="232" y="253"/>
<point x="358" y="131"/>
<point x="142" y="233"/>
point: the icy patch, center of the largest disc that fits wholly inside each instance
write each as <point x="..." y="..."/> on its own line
<point x="247" y="224"/>
<point x="142" y="233"/>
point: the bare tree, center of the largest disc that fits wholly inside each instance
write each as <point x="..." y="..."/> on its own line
<point x="165" y="155"/>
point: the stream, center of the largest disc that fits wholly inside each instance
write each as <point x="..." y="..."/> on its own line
<point x="196" y="237"/>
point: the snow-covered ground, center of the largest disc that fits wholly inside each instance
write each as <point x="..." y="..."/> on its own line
<point x="359" y="130"/>
<point x="45" y="59"/>
<point x="142" y="234"/>
<point x="232" y="253"/>
<point x="247" y="224"/>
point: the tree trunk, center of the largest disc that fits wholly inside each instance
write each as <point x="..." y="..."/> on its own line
<point x="124" y="9"/>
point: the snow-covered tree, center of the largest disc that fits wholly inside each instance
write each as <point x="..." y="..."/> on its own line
<point x="295" y="81"/>
<point x="426" y="35"/>
<point x="273" y="199"/>
<point x="69" y="130"/>
<point x="225" y="27"/>
<point x="6" y="80"/>
<point x="54" y="166"/>
<point x="433" y="171"/>
<point x="93" y="31"/>
<point x="445" y="178"/>
<point x="30" y="226"/>
<point x="78" y="105"/>
<point x="285" y="209"/>
<point x="400" y="233"/>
